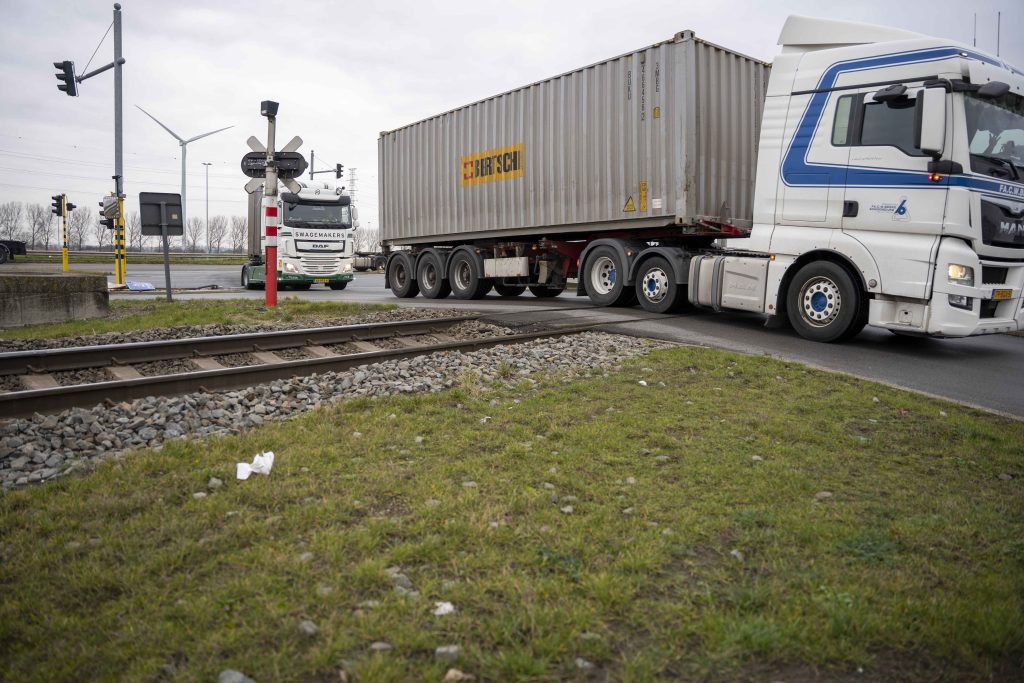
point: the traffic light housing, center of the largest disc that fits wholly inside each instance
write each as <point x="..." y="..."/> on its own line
<point x="109" y="222"/>
<point x="338" y="172"/>
<point x="68" y="207"/>
<point x="57" y="206"/>
<point x="66" y="74"/>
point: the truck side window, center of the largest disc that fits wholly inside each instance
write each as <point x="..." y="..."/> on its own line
<point x="843" y="120"/>
<point x="889" y="123"/>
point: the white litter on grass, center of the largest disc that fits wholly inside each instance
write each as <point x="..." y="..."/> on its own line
<point x="443" y="608"/>
<point x="642" y="383"/>
<point x="139" y="286"/>
<point x="261" y="464"/>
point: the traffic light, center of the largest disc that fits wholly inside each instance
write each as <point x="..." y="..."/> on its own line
<point x="57" y="208"/>
<point x="338" y="172"/>
<point x="67" y="77"/>
<point x="109" y="222"/>
<point x="68" y="207"/>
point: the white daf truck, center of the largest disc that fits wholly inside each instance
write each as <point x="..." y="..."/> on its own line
<point x="876" y="176"/>
<point x="316" y="238"/>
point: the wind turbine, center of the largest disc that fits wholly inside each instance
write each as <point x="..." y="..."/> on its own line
<point x="183" y="143"/>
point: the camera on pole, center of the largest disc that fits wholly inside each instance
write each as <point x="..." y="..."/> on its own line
<point x="66" y="75"/>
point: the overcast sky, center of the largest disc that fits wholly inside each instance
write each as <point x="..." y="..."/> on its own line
<point x="342" y="72"/>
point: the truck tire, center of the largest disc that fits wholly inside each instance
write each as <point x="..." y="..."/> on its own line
<point x="401" y="279"/>
<point x="606" y="278"/>
<point x="5" y="255"/>
<point x="362" y="269"/>
<point x="336" y="286"/>
<point x="508" y="290"/>
<point x="543" y="292"/>
<point x="656" y="288"/>
<point x="246" y="282"/>
<point x="430" y="277"/>
<point x="824" y="303"/>
<point x="465" y="278"/>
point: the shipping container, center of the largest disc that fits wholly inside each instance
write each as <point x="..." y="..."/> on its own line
<point x="664" y="135"/>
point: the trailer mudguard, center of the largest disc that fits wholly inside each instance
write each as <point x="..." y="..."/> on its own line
<point x="679" y="259"/>
<point x="442" y="255"/>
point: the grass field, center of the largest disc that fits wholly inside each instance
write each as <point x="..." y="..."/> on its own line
<point x="738" y="518"/>
<point x="129" y="316"/>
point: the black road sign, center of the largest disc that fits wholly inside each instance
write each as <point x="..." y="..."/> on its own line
<point x="289" y="164"/>
<point x="149" y="211"/>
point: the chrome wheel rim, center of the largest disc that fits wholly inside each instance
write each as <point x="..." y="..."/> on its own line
<point x="820" y="301"/>
<point x="463" y="275"/>
<point x="654" y="285"/>
<point x="602" y="275"/>
<point x="429" y="275"/>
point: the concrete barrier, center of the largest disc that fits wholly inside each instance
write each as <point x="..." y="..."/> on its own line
<point x="34" y="298"/>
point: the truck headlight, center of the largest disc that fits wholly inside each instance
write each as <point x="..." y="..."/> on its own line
<point x="290" y="267"/>
<point x="961" y="275"/>
<point x="347" y="268"/>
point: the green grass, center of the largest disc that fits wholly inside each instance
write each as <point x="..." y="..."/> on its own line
<point x="913" y="569"/>
<point x="142" y="259"/>
<point x="130" y="316"/>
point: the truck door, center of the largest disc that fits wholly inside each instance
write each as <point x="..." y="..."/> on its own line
<point x="813" y="179"/>
<point x="891" y="205"/>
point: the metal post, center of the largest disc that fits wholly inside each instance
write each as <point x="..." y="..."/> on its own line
<point x="167" y="258"/>
<point x="118" y="127"/>
<point x="120" y="260"/>
<point x="270" y="213"/>
<point x="312" y="163"/>
<point x="209" y="248"/>
<point x="64" y="220"/>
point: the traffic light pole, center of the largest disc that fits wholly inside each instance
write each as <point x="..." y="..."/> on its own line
<point x="64" y="234"/>
<point x="120" y="258"/>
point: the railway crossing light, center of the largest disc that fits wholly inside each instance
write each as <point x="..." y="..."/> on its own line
<point x="57" y="207"/>
<point x="66" y="75"/>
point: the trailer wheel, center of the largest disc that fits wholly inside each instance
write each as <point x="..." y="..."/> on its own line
<point x="542" y="292"/>
<point x="4" y="254"/>
<point x="824" y="303"/>
<point x="401" y="279"/>
<point x="430" y="277"/>
<point x="656" y="288"/>
<point x="606" y="276"/>
<point x="509" y="290"/>
<point x="465" y="277"/>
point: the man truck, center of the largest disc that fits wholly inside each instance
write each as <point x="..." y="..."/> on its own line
<point x="316" y="238"/>
<point x="869" y="175"/>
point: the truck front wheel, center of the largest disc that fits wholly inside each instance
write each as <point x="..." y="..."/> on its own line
<point x="824" y="303"/>
<point x="401" y="279"/>
<point x="337" y="285"/>
<point x="246" y="279"/>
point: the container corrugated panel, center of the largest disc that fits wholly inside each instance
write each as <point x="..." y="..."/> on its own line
<point x="665" y="135"/>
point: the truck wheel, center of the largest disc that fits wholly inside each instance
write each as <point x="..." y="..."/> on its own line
<point x="4" y="254"/>
<point x="337" y="285"/>
<point x="542" y="292"/>
<point x="246" y="282"/>
<point x="401" y="279"/>
<point x="656" y="288"/>
<point x="508" y="290"/>
<point x="465" y="278"/>
<point x="824" y="303"/>
<point x="430" y="278"/>
<point x="605" y="279"/>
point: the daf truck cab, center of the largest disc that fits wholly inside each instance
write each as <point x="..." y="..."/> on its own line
<point x="316" y="238"/>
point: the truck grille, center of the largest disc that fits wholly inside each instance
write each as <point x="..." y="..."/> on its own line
<point x="320" y="265"/>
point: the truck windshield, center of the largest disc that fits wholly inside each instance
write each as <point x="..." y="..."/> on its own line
<point x="317" y="216"/>
<point x="995" y="128"/>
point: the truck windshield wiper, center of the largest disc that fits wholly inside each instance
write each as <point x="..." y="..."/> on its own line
<point x="999" y="160"/>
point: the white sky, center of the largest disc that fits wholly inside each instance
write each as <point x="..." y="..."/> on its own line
<point x="342" y="72"/>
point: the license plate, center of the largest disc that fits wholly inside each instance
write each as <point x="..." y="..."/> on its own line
<point x="999" y="294"/>
<point x="321" y="281"/>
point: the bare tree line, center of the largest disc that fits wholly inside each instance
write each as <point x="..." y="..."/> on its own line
<point x="36" y="225"/>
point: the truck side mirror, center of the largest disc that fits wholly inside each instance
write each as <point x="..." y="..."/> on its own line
<point x="355" y="217"/>
<point x="930" y="122"/>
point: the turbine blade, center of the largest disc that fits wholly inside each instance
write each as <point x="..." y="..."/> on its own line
<point x="176" y="136"/>
<point x="205" y="134"/>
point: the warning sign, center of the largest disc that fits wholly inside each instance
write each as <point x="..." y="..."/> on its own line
<point x="630" y="206"/>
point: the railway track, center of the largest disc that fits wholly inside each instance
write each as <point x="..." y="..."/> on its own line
<point x="51" y="380"/>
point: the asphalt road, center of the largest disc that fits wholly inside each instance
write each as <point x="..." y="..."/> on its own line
<point x="983" y="371"/>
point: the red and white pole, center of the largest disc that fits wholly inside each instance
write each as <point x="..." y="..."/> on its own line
<point x="270" y="267"/>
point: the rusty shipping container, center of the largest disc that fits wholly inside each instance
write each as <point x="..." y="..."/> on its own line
<point x="665" y="135"/>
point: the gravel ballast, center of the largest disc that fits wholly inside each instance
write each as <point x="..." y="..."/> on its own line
<point x="43" y="447"/>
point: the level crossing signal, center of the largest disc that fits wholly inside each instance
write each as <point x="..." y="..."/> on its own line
<point x="66" y="74"/>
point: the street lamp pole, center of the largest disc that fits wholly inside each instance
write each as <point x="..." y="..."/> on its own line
<point x="209" y="249"/>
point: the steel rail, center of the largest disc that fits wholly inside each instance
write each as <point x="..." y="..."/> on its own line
<point x="79" y="357"/>
<point x="23" y="403"/>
